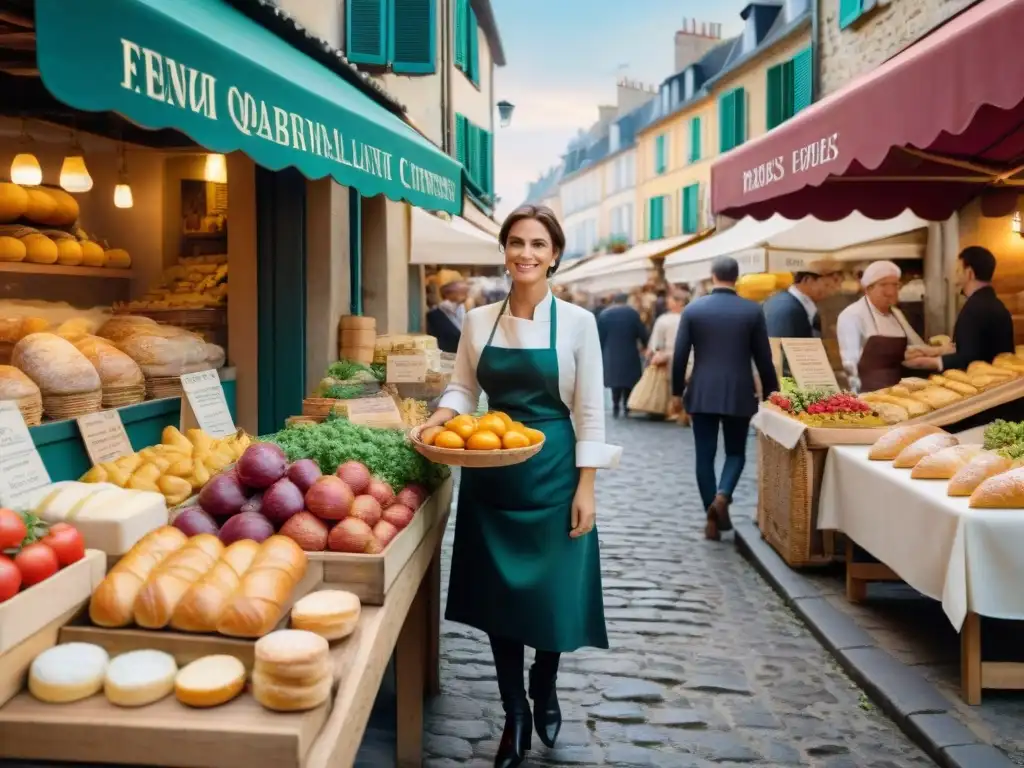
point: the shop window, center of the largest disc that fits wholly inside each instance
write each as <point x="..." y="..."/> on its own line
<point x="691" y="209"/>
<point x="694" y="153"/>
<point x="660" y="154"/>
<point x="789" y="88"/>
<point x="732" y="119"/>
<point x="399" y="34"/>
<point x="656" y="218"/>
<point x="474" y="149"/>
<point x="467" y="50"/>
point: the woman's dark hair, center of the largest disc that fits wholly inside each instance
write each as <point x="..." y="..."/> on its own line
<point x="981" y="261"/>
<point x="545" y="216"/>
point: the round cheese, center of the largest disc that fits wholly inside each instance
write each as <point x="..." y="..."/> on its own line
<point x="40" y="206"/>
<point x="93" y="254"/>
<point x="118" y="258"/>
<point x="12" y="249"/>
<point x="69" y="252"/>
<point x="138" y="678"/>
<point x="68" y="672"/>
<point x="210" y="681"/>
<point x="13" y="202"/>
<point x="65" y="211"/>
<point x="39" y="249"/>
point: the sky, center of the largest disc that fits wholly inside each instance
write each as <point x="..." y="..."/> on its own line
<point x="563" y="59"/>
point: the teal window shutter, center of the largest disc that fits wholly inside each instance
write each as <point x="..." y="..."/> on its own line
<point x="461" y="139"/>
<point x="694" y="139"/>
<point x="461" y="37"/>
<point x="726" y="121"/>
<point x="657" y="218"/>
<point x="660" y="161"/>
<point x="691" y="209"/>
<point x="849" y="12"/>
<point x="366" y="25"/>
<point x="412" y="39"/>
<point x="474" y="49"/>
<point x="802" y="80"/>
<point x="739" y="116"/>
<point x="475" y="159"/>
<point x="776" y="87"/>
<point x="486" y="161"/>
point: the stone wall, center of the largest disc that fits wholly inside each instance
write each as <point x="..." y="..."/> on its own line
<point x="877" y="36"/>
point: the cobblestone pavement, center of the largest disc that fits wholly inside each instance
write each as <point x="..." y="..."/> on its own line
<point x="707" y="666"/>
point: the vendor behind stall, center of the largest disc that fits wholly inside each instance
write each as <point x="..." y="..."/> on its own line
<point x="873" y="334"/>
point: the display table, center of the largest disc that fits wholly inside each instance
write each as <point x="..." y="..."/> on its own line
<point x="968" y="559"/>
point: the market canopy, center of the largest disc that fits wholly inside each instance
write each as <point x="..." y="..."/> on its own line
<point x="620" y="271"/>
<point x="928" y="130"/>
<point x="205" y="69"/>
<point x="782" y="245"/>
<point x="455" y="242"/>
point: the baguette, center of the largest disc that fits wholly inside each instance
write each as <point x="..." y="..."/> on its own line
<point x="983" y="466"/>
<point x="113" y="602"/>
<point x="981" y="368"/>
<point x="889" y="445"/>
<point x="1003" y="491"/>
<point x="167" y="585"/>
<point x="201" y="607"/>
<point x="259" y="602"/>
<point x="926" y="446"/>
<point x="909" y="404"/>
<point x="942" y="465"/>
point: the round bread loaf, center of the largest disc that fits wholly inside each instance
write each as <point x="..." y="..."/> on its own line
<point x="55" y="365"/>
<point x="116" y="369"/>
<point x="15" y="385"/>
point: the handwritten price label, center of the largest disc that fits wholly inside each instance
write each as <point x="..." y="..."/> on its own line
<point x="205" y="396"/>
<point x="21" y="468"/>
<point x="104" y="436"/>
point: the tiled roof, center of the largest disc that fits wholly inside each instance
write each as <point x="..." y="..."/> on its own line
<point x="779" y="29"/>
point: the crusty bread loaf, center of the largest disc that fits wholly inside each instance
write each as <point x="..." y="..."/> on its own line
<point x="173" y="578"/>
<point x="215" y="356"/>
<point x="983" y="466"/>
<point x="889" y="445"/>
<point x="967" y="390"/>
<point x="956" y="375"/>
<point x="942" y="465"/>
<point x="55" y="365"/>
<point x="909" y="404"/>
<point x="936" y="397"/>
<point x="1002" y="491"/>
<point x="981" y="368"/>
<point x="15" y="385"/>
<point x="120" y="327"/>
<point x="202" y="606"/>
<point x="261" y="598"/>
<point x="113" y="602"/>
<point x="927" y="445"/>
<point x="116" y="369"/>
<point x="14" y="329"/>
<point x="171" y="355"/>
<point x="913" y="383"/>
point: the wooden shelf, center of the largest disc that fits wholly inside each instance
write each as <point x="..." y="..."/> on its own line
<point x="26" y="268"/>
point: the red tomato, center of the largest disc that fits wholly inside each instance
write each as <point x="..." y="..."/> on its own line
<point x="12" y="529"/>
<point x="10" y="578"/>
<point x="66" y="542"/>
<point x="37" y="562"/>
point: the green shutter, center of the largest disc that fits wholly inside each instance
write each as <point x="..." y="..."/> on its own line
<point x="461" y="10"/>
<point x="461" y="139"/>
<point x="656" y="220"/>
<point x="474" y="49"/>
<point x="660" y="161"/>
<point x="802" y="88"/>
<point x="694" y="139"/>
<point x="776" y="87"/>
<point x="413" y="35"/>
<point x="691" y="209"/>
<point x="739" y="116"/>
<point x="486" y="161"/>
<point x="366" y="24"/>
<point x="849" y="12"/>
<point x="726" y="122"/>
<point x="475" y="164"/>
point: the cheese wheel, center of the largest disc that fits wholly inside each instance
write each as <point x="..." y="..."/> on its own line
<point x="118" y="258"/>
<point x="65" y="211"/>
<point x="93" y="254"/>
<point x="138" y="678"/>
<point x="39" y="249"/>
<point x="68" y="672"/>
<point x="69" y="252"/>
<point x="13" y="202"/>
<point x="55" y="365"/>
<point x="331" y="613"/>
<point x="12" y="249"/>
<point x="210" y="681"/>
<point x="40" y="206"/>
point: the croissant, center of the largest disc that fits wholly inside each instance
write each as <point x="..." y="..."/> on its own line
<point x="913" y="453"/>
<point x="889" y="445"/>
<point x="976" y="471"/>
<point x="942" y="465"/>
<point x="1005" y="491"/>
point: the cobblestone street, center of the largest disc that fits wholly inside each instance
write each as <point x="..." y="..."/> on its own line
<point x="707" y="666"/>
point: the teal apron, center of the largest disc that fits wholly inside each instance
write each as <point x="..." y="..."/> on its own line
<point x="515" y="572"/>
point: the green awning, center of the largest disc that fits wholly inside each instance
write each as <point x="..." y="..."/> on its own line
<point x="205" y="69"/>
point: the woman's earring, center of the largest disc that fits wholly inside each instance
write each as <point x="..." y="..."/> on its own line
<point x="507" y="273"/>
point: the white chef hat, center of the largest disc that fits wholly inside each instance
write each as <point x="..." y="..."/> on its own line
<point x="879" y="270"/>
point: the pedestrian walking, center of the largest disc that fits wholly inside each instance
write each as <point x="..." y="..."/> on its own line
<point x="444" y="322"/>
<point x="623" y="334"/>
<point x="525" y="562"/>
<point x="725" y="333"/>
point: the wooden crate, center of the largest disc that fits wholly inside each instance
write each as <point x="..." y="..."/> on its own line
<point x="371" y="576"/>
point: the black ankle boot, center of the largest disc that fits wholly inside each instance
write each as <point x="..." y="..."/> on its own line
<point x="547" y="715"/>
<point x="516" y="738"/>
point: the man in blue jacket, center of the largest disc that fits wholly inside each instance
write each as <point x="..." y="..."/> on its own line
<point x="725" y="333"/>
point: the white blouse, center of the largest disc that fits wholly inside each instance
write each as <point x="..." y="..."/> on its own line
<point x="578" y="348"/>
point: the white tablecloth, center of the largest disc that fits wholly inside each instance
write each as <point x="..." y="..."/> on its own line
<point x="782" y="429"/>
<point x="969" y="559"/>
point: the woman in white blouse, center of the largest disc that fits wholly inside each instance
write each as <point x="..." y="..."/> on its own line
<point x="525" y="564"/>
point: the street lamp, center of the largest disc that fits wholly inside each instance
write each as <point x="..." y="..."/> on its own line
<point x="505" y="110"/>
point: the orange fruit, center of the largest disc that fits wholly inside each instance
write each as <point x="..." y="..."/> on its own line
<point x="449" y="439"/>
<point x="504" y="417"/>
<point x="428" y="435"/>
<point x="514" y="440"/>
<point x="484" y="440"/>
<point x="517" y="426"/>
<point x="535" y="436"/>
<point x="463" y="426"/>
<point x="492" y="423"/>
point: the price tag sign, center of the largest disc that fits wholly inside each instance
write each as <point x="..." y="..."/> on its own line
<point x="407" y="369"/>
<point x="21" y="468"/>
<point x="808" y="362"/>
<point x="381" y="412"/>
<point x="104" y="436"/>
<point x="205" y="396"/>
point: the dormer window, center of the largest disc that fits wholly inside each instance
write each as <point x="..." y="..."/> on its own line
<point x="665" y="96"/>
<point x="614" y="137"/>
<point x="750" y="34"/>
<point x="689" y="84"/>
<point x="675" y="93"/>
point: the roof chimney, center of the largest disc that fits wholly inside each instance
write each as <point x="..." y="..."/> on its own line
<point x="694" y="40"/>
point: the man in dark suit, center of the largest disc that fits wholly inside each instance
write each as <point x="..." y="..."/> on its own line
<point x="725" y="332"/>
<point x="793" y="313"/>
<point x="444" y="322"/>
<point x="623" y="334"/>
<point x="984" y="327"/>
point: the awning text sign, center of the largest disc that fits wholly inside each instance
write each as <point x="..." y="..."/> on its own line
<point x="821" y="152"/>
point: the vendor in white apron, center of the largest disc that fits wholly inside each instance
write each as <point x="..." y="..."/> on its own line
<point x="873" y="334"/>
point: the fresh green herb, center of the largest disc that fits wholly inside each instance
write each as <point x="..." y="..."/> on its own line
<point x="1012" y="452"/>
<point x="379" y="371"/>
<point x="343" y="391"/>
<point x="346" y="369"/>
<point x="385" y="452"/>
<point x="1001" y="434"/>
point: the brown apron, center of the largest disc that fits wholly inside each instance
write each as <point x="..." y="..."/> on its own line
<point x="881" y="360"/>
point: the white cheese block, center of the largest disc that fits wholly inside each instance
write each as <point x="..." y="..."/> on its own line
<point x="61" y="506"/>
<point x="138" y="678"/>
<point x="67" y="672"/>
<point x="210" y="681"/>
<point x="110" y="519"/>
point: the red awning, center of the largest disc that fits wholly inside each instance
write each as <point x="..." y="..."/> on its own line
<point x="929" y="130"/>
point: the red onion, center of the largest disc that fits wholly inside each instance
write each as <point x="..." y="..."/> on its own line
<point x="194" y="520"/>
<point x="282" y="500"/>
<point x="304" y="473"/>
<point x="261" y="465"/>
<point x="246" y="525"/>
<point x="223" y="496"/>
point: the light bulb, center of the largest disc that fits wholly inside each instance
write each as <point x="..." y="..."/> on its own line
<point x="25" y="170"/>
<point x="216" y="169"/>
<point x="123" y="196"/>
<point x="74" y="176"/>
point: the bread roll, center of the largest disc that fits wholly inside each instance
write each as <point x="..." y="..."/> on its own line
<point x="76" y="328"/>
<point x="967" y="390"/>
<point x="55" y="365"/>
<point x="985" y="381"/>
<point x="122" y="326"/>
<point x="983" y="466"/>
<point x="889" y="445"/>
<point x="980" y="367"/>
<point x="116" y="369"/>
<point x="330" y="613"/>
<point x="173" y="578"/>
<point x="1010" y="362"/>
<point x="913" y="453"/>
<point x="292" y="654"/>
<point x="260" y="599"/>
<point x="1002" y="491"/>
<point x="113" y="602"/>
<point x="909" y="404"/>
<point x="202" y="606"/>
<point x="289" y="698"/>
<point x="936" y="397"/>
<point x="942" y="465"/>
<point x="215" y="356"/>
<point x="889" y="413"/>
<point x="14" y="329"/>
<point x="913" y="383"/>
<point x="956" y="375"/>
<point x="15" y="385"/>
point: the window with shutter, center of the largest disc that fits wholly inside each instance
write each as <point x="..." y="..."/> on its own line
<point x="475" y="163"/>
<point x="366" y="31"/>
<point x="691" y="209"/>
<point x="776" y="86"/>
<point x="412" y="36"/>
<point x="474" y="49"/>
<point x="660" y="152"/>
<point x="461" y="139"/>
<point x="739" y="116"/>
<point x="486" y="161"/>
<point x="694" y="154"/>
<point x="849" y="12"/>
<point x="726" y="121"/>
<point x="802" y="88"/>
<point x="656" y="218"/>
<point x="461" y="11"/>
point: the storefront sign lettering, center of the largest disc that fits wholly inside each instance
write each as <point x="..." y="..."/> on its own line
<point x="820" y="152"/>
<point x="163" y="79"/>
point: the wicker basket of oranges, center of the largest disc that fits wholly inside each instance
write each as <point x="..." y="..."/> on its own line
<point x="492" y="440"/>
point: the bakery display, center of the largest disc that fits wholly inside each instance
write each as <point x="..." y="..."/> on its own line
<point x="944" y="463"/>
<point x="823" y="408"/>
<point x="192" y="283"/>
<point x="292" y="671"/>
<point x="68" y="382"/>
<point x="925" y="446"/>
<point x="889" y="445"/>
